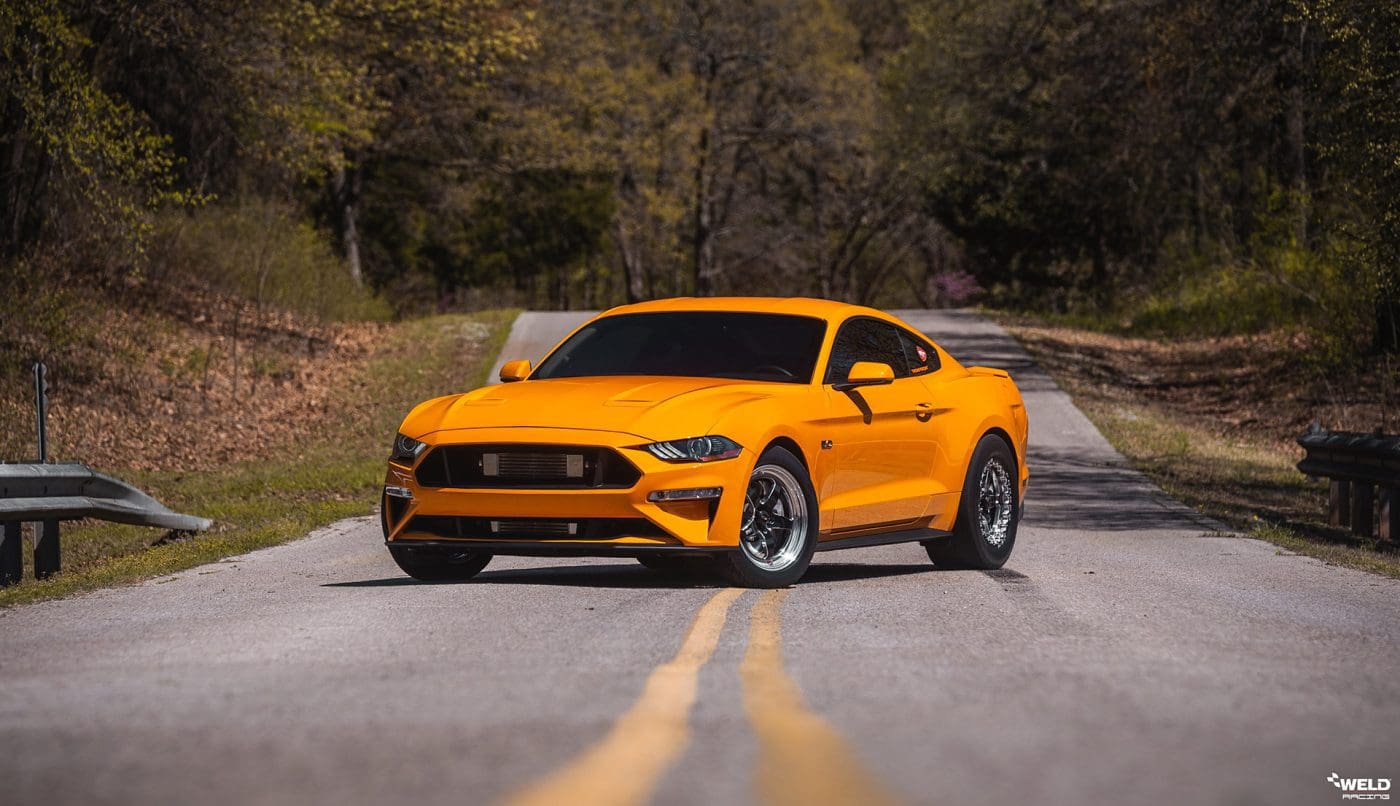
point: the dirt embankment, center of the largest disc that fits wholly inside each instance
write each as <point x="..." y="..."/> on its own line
<point x="197" y="381"/>
<point x="1264" y="387"/>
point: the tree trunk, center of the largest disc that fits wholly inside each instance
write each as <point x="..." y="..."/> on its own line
<point x="14" y="194"/>
<point x="590" y="280"/>
<point x="1099" y="279"/>
<point x="825" y="262"/>
<point x="1388" y="326"/>
<point x="631" y="270"/>
<point x="1297" y="137"/>
<point x="703" y="244"/>
<point x="345" y="193"/>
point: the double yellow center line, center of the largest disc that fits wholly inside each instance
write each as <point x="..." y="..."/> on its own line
<point x="802" y="759"/>
<point x="626" y="765"/>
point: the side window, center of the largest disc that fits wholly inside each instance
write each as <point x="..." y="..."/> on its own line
<point x="865" y="340"/>
<point x="922" y="358"/>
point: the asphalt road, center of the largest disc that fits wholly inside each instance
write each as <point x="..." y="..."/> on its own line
<point x="1129" y="653"/>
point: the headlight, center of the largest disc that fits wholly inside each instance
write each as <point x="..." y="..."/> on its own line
<point x="695" y="449"/>
<point x="406" y="449"/>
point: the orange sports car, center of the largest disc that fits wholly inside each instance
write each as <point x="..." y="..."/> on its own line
<point x="737" y="434"/>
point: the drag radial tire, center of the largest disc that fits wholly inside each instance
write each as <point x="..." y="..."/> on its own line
<point x="985" y="531"/>
<point x="438" y="565"/>
<point x="778" y="530"/>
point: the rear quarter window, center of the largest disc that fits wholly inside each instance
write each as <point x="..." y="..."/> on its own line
<point x="919" y="354"/>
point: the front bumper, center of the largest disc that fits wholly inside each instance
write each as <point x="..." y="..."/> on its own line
<point x="534" y="548"/>
<point x="445" y="517"/>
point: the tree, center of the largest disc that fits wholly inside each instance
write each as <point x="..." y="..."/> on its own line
<point x="66" y="141"/>
<point x="1359" y="141"/>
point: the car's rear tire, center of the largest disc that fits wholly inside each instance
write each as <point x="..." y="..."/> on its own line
<point x="437" y="565"/>
<point x="779" y="527"/>
<point x="988" y="514"/>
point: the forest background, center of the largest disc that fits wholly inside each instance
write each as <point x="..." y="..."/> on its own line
<point x="1198" y="166"/>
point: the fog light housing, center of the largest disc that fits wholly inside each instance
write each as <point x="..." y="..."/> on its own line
<point x="687" y="494"/>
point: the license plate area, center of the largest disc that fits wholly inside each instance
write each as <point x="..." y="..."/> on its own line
<point x="541" y="466"/>
<point x="527" y="528"/>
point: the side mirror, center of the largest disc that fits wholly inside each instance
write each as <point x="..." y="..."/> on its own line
<point x="866" y="373"/>
<point x="514" y="371"/>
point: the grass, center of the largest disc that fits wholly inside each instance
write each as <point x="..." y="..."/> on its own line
<point x="1248" y="483"/>
<point x="334" y="474"/>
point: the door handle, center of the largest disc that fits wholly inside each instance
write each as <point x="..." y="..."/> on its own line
<point x="923" y="411"/>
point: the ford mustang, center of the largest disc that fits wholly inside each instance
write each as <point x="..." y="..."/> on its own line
<point x="740" y="435"/>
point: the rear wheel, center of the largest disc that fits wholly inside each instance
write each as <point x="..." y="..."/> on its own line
<point x="438" y="565"/>
<point x="778" y="533"/>
<point x="988" y="514"/>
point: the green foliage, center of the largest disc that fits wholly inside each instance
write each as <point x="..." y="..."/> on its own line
<point x="1070" y="155"/>
<point x="102" y="153"/>
<point x="1090" y="152"/>
<point x="43" y="319"/>
<point x="534" y="223"/>
<point x="1358" y="139"/>
<point x="1231" y="299"/>
<point x="260" y="251"/>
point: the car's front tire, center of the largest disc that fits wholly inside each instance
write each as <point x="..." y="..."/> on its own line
<point x="988" y="513"/>
<point x="778" y="532"/>
<point x="438" y="565"/>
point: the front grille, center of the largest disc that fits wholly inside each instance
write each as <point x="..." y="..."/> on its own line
<point x="552" y="467"/>
<point x="541" y="466"/>
<point x="539" y="529"/>
<point x="525" y="528"/>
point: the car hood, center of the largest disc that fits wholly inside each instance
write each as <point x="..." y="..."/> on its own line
<point x="652" y="408"/>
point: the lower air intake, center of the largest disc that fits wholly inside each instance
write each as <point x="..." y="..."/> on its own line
<point x="532" y="529"/>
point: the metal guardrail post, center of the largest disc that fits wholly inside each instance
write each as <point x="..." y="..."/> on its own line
<point x="1363" y="508"/>
<point x="47" y="557"/>
<point x="1339" y="504"/>
<point x="41" y="404"/>
<point x="47" y="494"/>
<point x="48" y="552"/>
<point x="1364" y="470"/>
<point x="1390" y="515"/>
<point x="12" y="554"/>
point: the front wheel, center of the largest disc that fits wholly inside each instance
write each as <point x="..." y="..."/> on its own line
<point x="778" y="533"/>
<point x="988" y="514"/>
<point x="436" y="565"/>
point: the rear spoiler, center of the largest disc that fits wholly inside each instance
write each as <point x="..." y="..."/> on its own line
<point x="993" y="371"/>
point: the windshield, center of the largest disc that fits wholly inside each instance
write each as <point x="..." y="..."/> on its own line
<point x="703" y="344"/>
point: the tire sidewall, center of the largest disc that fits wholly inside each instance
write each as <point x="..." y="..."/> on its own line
<point x="438" y="566"/>
<point x="984" y="555"/>
<point x="745" y="571"/>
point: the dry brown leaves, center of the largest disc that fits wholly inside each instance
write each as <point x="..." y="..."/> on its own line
<point x="1260" y="385"/>
<point x="202" y="381"/>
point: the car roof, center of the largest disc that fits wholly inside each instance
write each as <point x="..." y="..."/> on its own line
<point x="796" y="306"/>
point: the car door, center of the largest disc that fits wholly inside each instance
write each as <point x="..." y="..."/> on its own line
<point x="924" y="365"/>
<point x="881" y="454"/>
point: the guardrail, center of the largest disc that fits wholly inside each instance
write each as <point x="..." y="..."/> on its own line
<point x="1364" y="470"/>
<point x="45" y="494"/>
